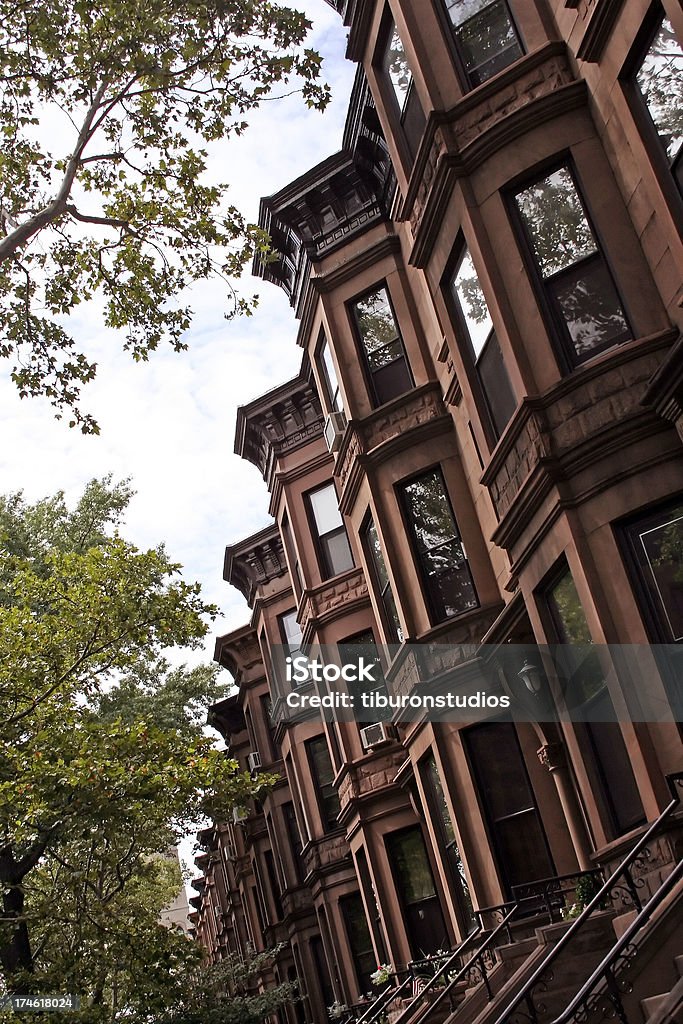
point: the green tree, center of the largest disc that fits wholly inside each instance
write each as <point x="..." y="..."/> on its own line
<point x="121" y="208"/>
<point x="103" y="762"/>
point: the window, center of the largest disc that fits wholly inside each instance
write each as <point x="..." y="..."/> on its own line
<point x="437" y="546"/>
<point x="290" y="631"/>
<point x="508" y="803"/>
<point x="323" y="776"/>
<point x="359" y="939"/>
<point x="329" y="375"/>
<point x="352" y="649"/>
<point x="486" y="40"/>
<point x="586" y="690"/>
<point x="333" y="545"/>
<point x="658" y="79"/>
<point x="382" y="346"/>
<point x="398" y="74"/>
<point x="292" y="560"/>
<point x="294" y="839"/>
<point x="416" y="892"/>
<point x="380" y="581"/>
<point x="582" y="299"/>
<point x="476" y="326"/>
<point x="656" y="543"/>
<point x="441" y="817"/>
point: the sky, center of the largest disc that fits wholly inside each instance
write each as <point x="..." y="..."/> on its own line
<point x="169" y="424"/>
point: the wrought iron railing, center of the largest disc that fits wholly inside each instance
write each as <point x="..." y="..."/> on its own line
<point x="623" y="885"/>
<point x="476" y="969"/>
<point x="402" y="988"/>
<point x="606" y="986"/>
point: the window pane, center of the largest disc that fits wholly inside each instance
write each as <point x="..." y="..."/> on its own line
<point x="396" y="67"/>
<point x="486" y="38"/>
<point x="290" y="631"/>
<point x="323" y="775"/>
<point x="470" y="298"/>
<point x="337" y="552"/>
<point x="325" y="507"/>
<point x="496" y="385"/>
<point x="555" y="218"/>
<point x="430" y="511"/>
<point x="391" y="381"/>
<point x="590" y="307"/>
<point x="385" y="355"/>
<point x="330" y="375"/>
<point x="375" y="321"/>
<point x="662" y="554"/>
<point x="409" y="860"/>
<point x="659" y="80"/>
<point x="449" y="580"/>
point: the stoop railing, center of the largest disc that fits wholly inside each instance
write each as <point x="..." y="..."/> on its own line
<point x="624" y="885"/>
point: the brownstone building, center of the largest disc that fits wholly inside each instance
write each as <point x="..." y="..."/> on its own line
<point x="482" y="450"/>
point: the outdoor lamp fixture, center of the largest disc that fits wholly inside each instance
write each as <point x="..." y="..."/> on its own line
<point x="531" y="677"/>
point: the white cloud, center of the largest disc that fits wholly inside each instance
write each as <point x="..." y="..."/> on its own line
<point x="169" y="424"/>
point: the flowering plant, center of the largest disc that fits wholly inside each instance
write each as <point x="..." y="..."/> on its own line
<point x="382" y="974"/>
<point x="337" y="1010"/>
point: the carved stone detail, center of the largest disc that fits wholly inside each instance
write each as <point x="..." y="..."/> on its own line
<point x="411" y="413"/>
<point x="530" y="446"/>
<point x="338" y="593"/>
<point x="552" y="756"/>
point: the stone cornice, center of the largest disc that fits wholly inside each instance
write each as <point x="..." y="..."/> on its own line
<point x="277" y="423"/>
<point x="255" y="561"/>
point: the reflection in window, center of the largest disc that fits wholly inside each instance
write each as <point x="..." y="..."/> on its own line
<point x="577" y="282"/>
<point x="323" y="778"/>
<point x="437" y="545"/>
<point x="382" y="346"/>
<point x="416" y="892"/>
<point x="397" y="72"/>
<point x="351" y="650"/>
<point x="333" y="544"/>
<point x="441" y="816"/>
<point x="586" y="689"/>
<point x="659" y="78"/>
<point x="382" y="584"/>
<point x="657" y="543"/>
<point x="485" y="37"/>
<point x="476" y="324"/>
<point x="330" y="376"/>
<point x="359" y="939"/>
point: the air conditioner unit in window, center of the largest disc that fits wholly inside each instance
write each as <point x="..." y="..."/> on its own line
<point x="335" y="425"/>
<point x="254" y="761"/>
<point x="376" y="734"/>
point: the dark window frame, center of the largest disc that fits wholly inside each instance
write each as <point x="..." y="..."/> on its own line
<point x="409" y="134"/>
<point x="324" y="564"/>
<point x="493" y="824"/>
<point x="590" y="734"/>
<point x="403" y="502"/>
<point x="485" y="406"/>
<point x="669" y="173"/>
<point x="334" y="396"/>
<point x="327" y="820"/>
<point x="450" y="32"/>
<point x="385" y="596"/>
<point x="368" y="372"/>
<point x="350" y="903"/>
<point x="562" y="343"/>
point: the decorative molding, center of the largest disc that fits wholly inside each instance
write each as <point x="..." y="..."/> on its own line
<point x="603" y="19"/>
<point x="332" y="598"/>
<point x="255" y="561"/>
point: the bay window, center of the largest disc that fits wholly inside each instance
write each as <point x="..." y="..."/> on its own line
<point x="438" y="547"/>
<point x="576" y="284"/>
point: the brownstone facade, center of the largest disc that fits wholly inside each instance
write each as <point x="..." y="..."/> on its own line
<point x="483" y="446"/>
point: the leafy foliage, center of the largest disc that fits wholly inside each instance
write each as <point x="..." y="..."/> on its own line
<point x="103" y="761"/>
<point x="133" y="91"/>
